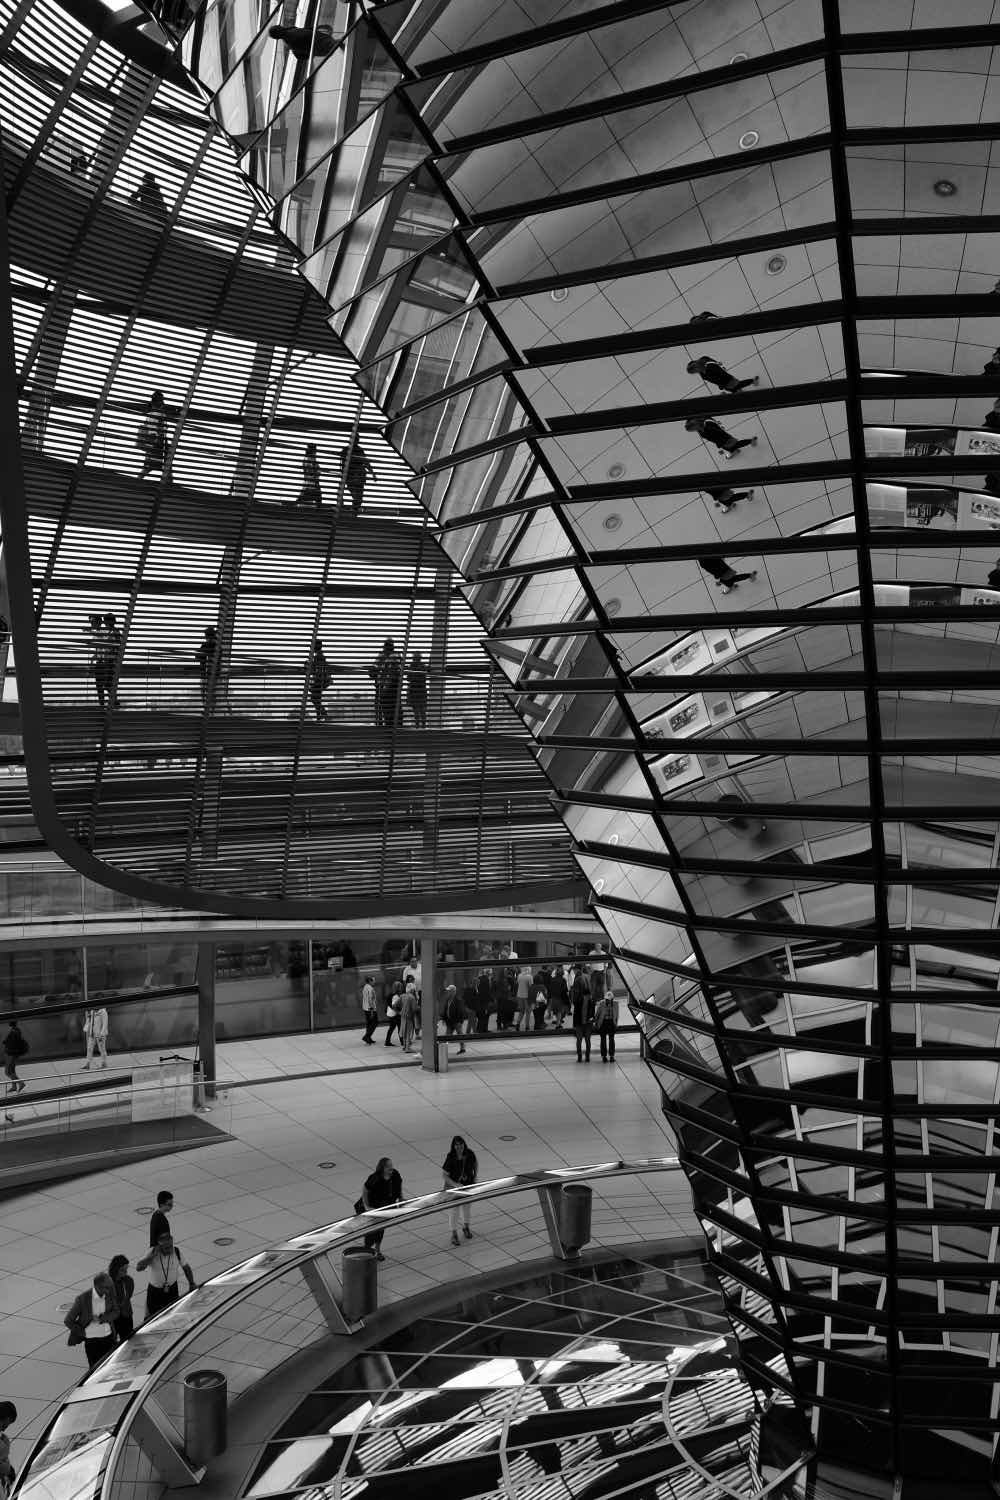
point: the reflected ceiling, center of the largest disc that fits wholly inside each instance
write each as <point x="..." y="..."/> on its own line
<point x="752" y="626"/>
<point x="139" y="261"/>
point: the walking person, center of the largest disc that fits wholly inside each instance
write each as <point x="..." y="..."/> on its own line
<point x="355" y="469"/>
<point x="93" y="630"/>
<point x="394" y="1011"/>
<point x="583" y="1013"/>
<point x="416" y="690"/>
<point x="369" y="1009"/>
<point x="408" y="1015"/>
<point x="460" y="1170"/>
<point x="712" y="432"/>
<point x="124" y="1288"/>
<point x="724" y="573"/>
<point x="165" y="1262"/>
<point x="724" y="497"/>
<point x="15" y="1046"/>
<point x="523" y="993"/>
<point x="207" y="657"/>
<point x="85" y="1322"/>
<point x="151" y="437"/>
<point x="382" y="1188"/>
<point x="606" y="1021"/>
<point x="453" y="1015"/>
<point x="95" y="1030"/>
<point x="320" y="678"/>
<point x="540" y="1003"/>
<point x="714" y="373"/>
<point x="310" y="493"/>
<point x="559" y="997"/>
<point x="8" y="1416"/>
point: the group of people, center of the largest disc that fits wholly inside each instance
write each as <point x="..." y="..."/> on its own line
<point x="102" y="1316"/>
<point x="384" y="1187"/>
<point x="521" y="998"/>
<point x="386" y="672"/>
<point x="105" y="642"/>
<point x="355" y="470"/>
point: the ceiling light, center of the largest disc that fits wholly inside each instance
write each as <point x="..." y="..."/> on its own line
<point x="776" y="265"/>
<point x="614" y="839"/>
<point x="559" y="293"/>
<point x="749" y="138"/>
<point x="599" y="886"/>
<point x="738" y="57"/>
<point x="612" y="606"/>
<point x="616" y="471"/>
<point x="612" y="523"/>
<point x="945" y="188"/>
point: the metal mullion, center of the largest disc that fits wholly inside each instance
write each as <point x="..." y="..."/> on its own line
<point x="803" y="615"/>
<point x="724" y="76"/>
<point x="856" y="437"/>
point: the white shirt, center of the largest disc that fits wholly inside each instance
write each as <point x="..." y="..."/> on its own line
<point x="164" y="1270"/>
<point x="368" y="997"/>
<point x="95" y="1024"/>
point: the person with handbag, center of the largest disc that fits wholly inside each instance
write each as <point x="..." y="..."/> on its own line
<point x="95" y="1031"/>
<point x="83" y="1316"/>
<point x="382" y="1188"/>
<point x="461" y="1168"/>
<point x="165" y="1262"/>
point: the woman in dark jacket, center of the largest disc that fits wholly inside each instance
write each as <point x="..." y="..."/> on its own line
<point x="124" y="1324"/>
<point x="383" y="1187"/>
<point x="460" y="1170"/>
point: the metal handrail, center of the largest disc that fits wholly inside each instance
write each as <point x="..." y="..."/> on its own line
<point x="302" y="1250"/>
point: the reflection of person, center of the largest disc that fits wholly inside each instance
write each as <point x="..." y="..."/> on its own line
<point x="302" y="41"/>
<point x="993" y="576"/>
<point x="711" y="431"/>
<point x="714" y="373"/>
<point x="723" y="572"/>
<point x="95" y="1030"/>
<point x="151" y="437"/>
<point x="725" y="497"/>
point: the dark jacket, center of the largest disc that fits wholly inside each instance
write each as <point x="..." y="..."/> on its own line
<point x="381" y="1191"/>
<point x="462" y="1170"/>
<point x="583" y="1002"/>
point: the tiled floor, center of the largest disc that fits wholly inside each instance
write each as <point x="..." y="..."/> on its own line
<point x="268" y="1183"/>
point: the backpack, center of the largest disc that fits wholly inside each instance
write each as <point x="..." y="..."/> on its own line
<point x="453" y="1010"/>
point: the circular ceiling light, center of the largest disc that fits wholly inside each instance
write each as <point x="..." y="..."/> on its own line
<point x="738" y="57"/>
<point x="612" y="523"/>
<point x="612" y="607"/>
<point x="748" y="139"/>
<point x="616" y="471"/>
<point x="613" y="840"/>
<point x="559" y="293"/>
<point x="599" y="886"/>
<point x="945" y="188"/>
<point x="776" y="265"/>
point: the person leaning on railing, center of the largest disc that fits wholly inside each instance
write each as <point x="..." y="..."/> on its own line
<point x="383" y="1188"/>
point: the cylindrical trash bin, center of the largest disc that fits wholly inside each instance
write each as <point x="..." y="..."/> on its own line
<point x="442" y="1057"/>
<point x="206" y="1406"/>
<point x="359" y="1282"/>
<point x="575" y="1204"/>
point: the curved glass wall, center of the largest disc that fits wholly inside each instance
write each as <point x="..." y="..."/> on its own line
<point x="686" y="318"/>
